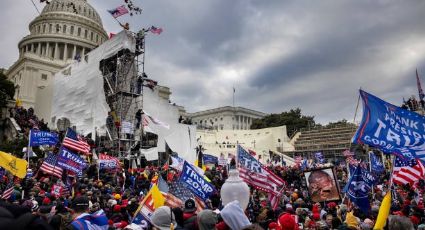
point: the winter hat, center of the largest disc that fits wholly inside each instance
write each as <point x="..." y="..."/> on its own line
<point x="46" y="201"/>
<point x="117" y="196"/>
<point x="287" y="222"/>
<point x="163" y="218"/>
<point x="331" y="205"/>
<point x="234" y="216"/>
<point x="117" y="208"/>
<point x="189" y="205"/>
<point x="274" y="226"/>
<point x="34" y="206"/>
<point x="207" y="219"/>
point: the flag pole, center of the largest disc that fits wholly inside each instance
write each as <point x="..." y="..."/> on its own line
<point x="370" y="168"/>
<point x="28" y="149"/>
<point x="233" y="96"/>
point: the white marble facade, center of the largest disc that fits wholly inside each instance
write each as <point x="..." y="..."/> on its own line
<point x="57" y="36"/>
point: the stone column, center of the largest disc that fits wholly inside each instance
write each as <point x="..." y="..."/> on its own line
<point x="47" y="54"/>
<point x="39" y="49"/>
<point x="65" y="52"/>
<point x="74" y="52"/>
<point x="32" y="47"/>
<point x="83" y="52"/>
<point x="56" y="54"/>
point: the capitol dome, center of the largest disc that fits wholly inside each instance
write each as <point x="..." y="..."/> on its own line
<point x="64" y="29"/>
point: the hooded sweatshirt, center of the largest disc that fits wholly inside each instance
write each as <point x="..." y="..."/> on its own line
<point x="234" y="216"/>
<point x="207" y="220"/>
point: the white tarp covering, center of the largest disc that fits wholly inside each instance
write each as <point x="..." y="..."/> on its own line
<point x="78" y="89"/>
<point x="179" y="137"/>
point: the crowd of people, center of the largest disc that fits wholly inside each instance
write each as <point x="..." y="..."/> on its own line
<point x="27" y="120"/>
<point x="109" y="199"/>
<point x="42" y="201"/>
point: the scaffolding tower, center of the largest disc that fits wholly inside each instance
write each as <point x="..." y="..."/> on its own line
<point x="123" y="86"/>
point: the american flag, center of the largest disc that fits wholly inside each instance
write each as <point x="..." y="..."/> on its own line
<point x="179" y="193"/>
<point x="74" y="142"/>
<point x="50" y="166"/>
<point x="258" y="176"/>
<point x="407" y="171"/>
<point x="155" y="30"/>
<point x="8" y="190"/>
<point x="298" y="160"/>
<point x="119" y="11"/>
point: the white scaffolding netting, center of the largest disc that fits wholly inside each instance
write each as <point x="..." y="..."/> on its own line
<point x="78" y="93"/>
<point x="179" y="137"/>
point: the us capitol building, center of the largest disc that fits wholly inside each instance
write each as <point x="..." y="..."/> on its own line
<point x="67" y="29"/>
<point x="64" y="30"/>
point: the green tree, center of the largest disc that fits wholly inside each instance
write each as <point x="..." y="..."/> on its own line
<point x="7" y="90"/>
<point x="293" y="120"/>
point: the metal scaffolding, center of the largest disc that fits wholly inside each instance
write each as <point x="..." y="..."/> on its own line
<point x="123" y="86"/>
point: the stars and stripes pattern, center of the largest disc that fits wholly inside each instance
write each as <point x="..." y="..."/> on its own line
<point x="176" y="194"/>
<point x="407" y="171"/>
<point x="350" y="158"/>
<point x="258" y="176"/>
<point x="8" y="191"/>
<point x="73" y="141"/>
<point x="119" y="11"/>
<point x="50" y="166"/>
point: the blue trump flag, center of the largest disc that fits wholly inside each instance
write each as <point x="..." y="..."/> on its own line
<point x="70" y="161"/>
<point x="209" y="159"/>
<point x="195" y="182"/>
<point x="376" y="164"/>
<point x="390" y="128"/>
<point x="319" y="157"/>
<point x="358" y="189"/>
<point x="38" y="138"/>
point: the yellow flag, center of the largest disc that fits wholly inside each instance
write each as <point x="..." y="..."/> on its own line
<point x="204" y="167"/>
<point x="14" y="165"/>
<point x="153" y="200"/>
<point x="18" y="102"/>
<point x="384" y="211"/>
<point x="157" y="197"/>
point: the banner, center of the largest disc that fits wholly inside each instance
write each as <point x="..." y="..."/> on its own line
<point x="222" y="161"/>
<point x="70" y="161"/>
<point x="14" y="165"/>
<point x="195" y="182"/>
<point x="108" y="162"/>
<point x="209" y="159"/>
<point x="390" y="128"/>
<point x="38" y="138"/>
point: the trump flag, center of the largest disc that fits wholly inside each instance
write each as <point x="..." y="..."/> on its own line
<point x="390" y="128"/>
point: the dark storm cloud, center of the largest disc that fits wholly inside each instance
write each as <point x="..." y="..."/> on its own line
<point x="279" y="55"/>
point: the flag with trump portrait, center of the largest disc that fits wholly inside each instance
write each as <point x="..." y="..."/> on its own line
<point x="391" y="129"/>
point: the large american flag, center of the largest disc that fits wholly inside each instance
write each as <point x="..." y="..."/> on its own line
<point x="407" y="171"/>
<point x="8" y="190"/>
<point x="258" y="176"/>
<point x="50" y="166"/>
<point x="74" y="142"/>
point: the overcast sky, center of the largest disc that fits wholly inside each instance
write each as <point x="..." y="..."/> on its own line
<point x="278" y="55"/>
